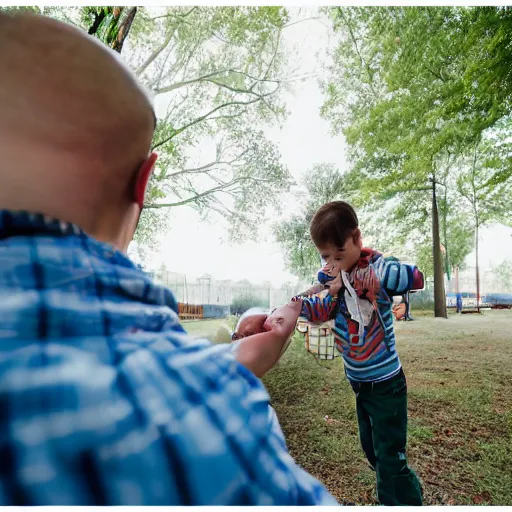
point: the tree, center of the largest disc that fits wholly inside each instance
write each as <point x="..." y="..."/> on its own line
<point x="415" y="105"/>
<point x="217" y="74"/>
<point x="503" y="276"/>
<point x="394" y="159"/>
<point x="110" y="24"/>
<point x="322" y="184"/>
<point x="481" y="184"/>
<point x="220" y="71"/>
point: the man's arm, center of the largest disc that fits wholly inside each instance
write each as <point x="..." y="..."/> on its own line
<point x="260" y="352"/>
<point x="173" y="422"/>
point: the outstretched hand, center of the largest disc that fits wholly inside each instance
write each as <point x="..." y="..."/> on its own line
<point x="260" y="352"/>
<point x="283" y="320"/>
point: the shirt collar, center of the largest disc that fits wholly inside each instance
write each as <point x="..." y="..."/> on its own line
<point x="135" y="283"/>
<point x="23" y="223"/>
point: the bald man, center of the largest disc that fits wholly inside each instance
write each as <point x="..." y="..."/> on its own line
<point x="104" y="399"/>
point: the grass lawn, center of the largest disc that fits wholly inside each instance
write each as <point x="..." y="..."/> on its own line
<point x="459" y="375"/>
<point x="206" y="328"/>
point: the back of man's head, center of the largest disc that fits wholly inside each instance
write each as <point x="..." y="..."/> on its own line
<point x="75" y="127"/>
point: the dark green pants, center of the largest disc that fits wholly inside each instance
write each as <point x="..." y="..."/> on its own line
<point x="382" y="419"/>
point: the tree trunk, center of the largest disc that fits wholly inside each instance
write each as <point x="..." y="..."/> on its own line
<point x="477" y="267"/>
<point x="439" y="294"/>
<point x="457" y="287"/>
<point x="98" y="18"/>
<point x="124" y="29"/>
<point x="445" y="234"/>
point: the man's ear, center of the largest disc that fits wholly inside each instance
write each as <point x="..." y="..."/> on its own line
<point x="142" y="179"/>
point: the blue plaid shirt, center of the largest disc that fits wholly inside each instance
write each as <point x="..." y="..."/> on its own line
<point x="105" y="400"/>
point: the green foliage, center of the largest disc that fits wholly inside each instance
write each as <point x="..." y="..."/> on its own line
<point x="217" y="74"/>
<point x="21" y="9"/>
<point x="407" y="89"/>
<point x="322" y="184"/>
<point x="242" y="303"/>
<point x="484" y="180"/>
<point x="221" y="70"/>
<point x="502" y="280"/>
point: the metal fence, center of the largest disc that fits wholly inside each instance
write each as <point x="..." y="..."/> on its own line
<point x="490" y="282"/>
<point x="220" y="294"/>
<point x="206" y="290"/>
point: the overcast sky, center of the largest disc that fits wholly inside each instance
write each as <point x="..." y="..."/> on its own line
<point x="196" y="247"/>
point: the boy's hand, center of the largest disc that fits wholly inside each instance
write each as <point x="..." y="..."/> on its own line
<point x="335" y="285"/>
<point x="316" y="288"/>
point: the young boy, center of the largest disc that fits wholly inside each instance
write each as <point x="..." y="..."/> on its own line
<point x="361" y="283"/>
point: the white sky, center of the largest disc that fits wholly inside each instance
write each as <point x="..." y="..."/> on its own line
<point x="196" y="247"/>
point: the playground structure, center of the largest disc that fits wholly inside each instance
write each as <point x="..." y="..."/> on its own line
<point x="202" y="312"/>
<point x="488" y="301"/>
<point x="497" y="301"/>
<point x="401" y="308"/>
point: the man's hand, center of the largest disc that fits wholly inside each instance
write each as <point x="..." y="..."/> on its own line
<point x="283" y="320"/>
<point x="260" y="352"/>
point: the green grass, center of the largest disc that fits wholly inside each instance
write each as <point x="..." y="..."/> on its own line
<point x="459" y="375"/>
<point x="203" y="327"/>
<point x="208" y="328"/>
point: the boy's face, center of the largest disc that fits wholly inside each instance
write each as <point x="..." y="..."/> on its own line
<point x="342" y="258"/>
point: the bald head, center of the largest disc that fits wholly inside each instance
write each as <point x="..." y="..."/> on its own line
<point x="75" y="126"/>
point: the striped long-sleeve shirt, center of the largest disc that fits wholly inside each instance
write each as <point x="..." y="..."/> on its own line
<point x="374" y="357"/>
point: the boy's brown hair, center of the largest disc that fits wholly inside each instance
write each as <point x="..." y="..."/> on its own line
<point x="333" y="223"/>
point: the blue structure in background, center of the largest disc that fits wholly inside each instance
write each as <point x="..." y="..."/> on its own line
<point x="498" y="299"/>
<point x="215" y="311"/>
<point x="459" y="302"/>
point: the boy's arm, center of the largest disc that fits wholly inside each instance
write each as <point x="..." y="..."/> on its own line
<point x="317" y="309"/>
<point x="399" y="278"/>
<point x="316" y="288"/>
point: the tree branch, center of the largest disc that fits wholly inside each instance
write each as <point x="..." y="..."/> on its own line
<point x="354" y="42"/>
<point x="184" y="83"/>
<point x="166" y="42"/>
<point x="243" y="91"/>
<point x="208" y="78"/>
<point x="202" y="118"/>
<point x="223" y="187"/>
<point x="124" y="30"/>
<point x="205" y="168"/>
<point x="156" y="53"/>
<point x="265" y="76"/>
<point x="174" y="15"/>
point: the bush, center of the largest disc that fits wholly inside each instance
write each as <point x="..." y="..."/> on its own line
<point x="242" y="303"/>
